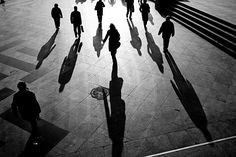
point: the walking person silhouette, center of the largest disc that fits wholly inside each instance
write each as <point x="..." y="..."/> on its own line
<point x="130" y="8"/>
<point x="99" y="7"/>
<point x="75" y="18"/>
<point x="114" y="37"/>
<point x="56" y="15"/>
<point x="167" y="29"/>
<point x="24" y="102"/>
<point x="144" y="9"/>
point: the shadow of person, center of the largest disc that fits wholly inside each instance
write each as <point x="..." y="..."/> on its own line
<point x="154" y="51"/>
<point x="112" y="2"/>
<point x="116" y="118"/>
<point x="80" y="1"/>
<point x="46" y="49"/>
<point x="68" y="64"/>
<point x="135" y="40"/>
<point x="188" y="97"/>
<point x="32" y="148"/>
<point x="164" y="7"/>
<point x="97" y="40"/>
<point x="124" y="3"/>
<point x="150" y="18"/>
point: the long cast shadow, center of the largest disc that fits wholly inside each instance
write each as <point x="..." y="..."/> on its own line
<point x="135" y="40"/>
<point x="188" y="98"/>
<point x="154" y="51"/>
<point x="68" y="64"/>
<point x="46" y="49"/>
<point x="116" y="117"/>
<point x="97" y="40"/>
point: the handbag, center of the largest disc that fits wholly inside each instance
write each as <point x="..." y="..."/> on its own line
<point x="132" y="8"/>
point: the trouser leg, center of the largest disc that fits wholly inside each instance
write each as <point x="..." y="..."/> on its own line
<point x="79" y="30"/>
<point x="99" y="17"/>
<point x="166" y="43"/>
<point x="75" y="31"/>
<point x="34" y="127"/>
<point x="57" y="23"/>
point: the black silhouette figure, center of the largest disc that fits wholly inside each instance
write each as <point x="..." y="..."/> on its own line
<point x="167" y="29"/>
<point x="135" y="40"/>
<point x="116" y="119"/>
<point x="97" y="40"/>
<point x="75" y="18"/>
<point x="130" y="8"/>
<point x="99" y="7"/>
<point x="144" y="9"/>
<point x="114" y="37"/>
<point x="56" y="15"/>
<point x="25" y="103"/>
<point x="154" y="51"/>
<point x="68" y="64"/>
<point x="46" y="49"/>
<point x="2" y="2"/>
<point x="188" y="98"/>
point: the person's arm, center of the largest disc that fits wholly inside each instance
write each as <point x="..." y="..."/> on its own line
<point x="71" y="18"/>
<point x="173" y="30"/>
<point x="160" y="31"/>
<point x="80" y="19"/>
<point x="61" y="14"/>
<point x="14" y="106"/>
<point x="52" y="13"/>
<point x="108" y="33"/>
<point x="103" y="5"/>
<point x="38" y="109"/>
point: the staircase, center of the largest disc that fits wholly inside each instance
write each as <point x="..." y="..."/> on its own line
<point x="217" y="31"/>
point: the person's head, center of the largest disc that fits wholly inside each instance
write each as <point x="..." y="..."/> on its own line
<point x="112" y="26"/>
<point x="145" y="1"/>
<point x="168" y="18"/>
<point x="75" y="8"/>
<point x="21" y="86"/>
<point x="56" y="5"/>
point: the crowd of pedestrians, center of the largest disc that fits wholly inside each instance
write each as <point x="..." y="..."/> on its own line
<point x="24" y="101"/>
<point x="166" y="29"/>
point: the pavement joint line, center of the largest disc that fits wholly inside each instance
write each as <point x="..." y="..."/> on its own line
<point x="193" y="146"/>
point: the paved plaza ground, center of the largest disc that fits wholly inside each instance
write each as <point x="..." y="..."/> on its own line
<point x="181" y="99"/>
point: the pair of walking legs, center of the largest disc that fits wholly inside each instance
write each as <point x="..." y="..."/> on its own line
<point x="34" y="127"/>
<point x="166" y="44"/>
<point x="99" y="18"/>
<point x="57" y="23"/>
<point x="77" y="30"/>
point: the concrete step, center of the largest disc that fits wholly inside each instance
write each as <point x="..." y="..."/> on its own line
<point x="210" y="30"/>
<point x="215" y="30"/>
<point x="226" y="30"/>
<point x="221" y="46"/>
